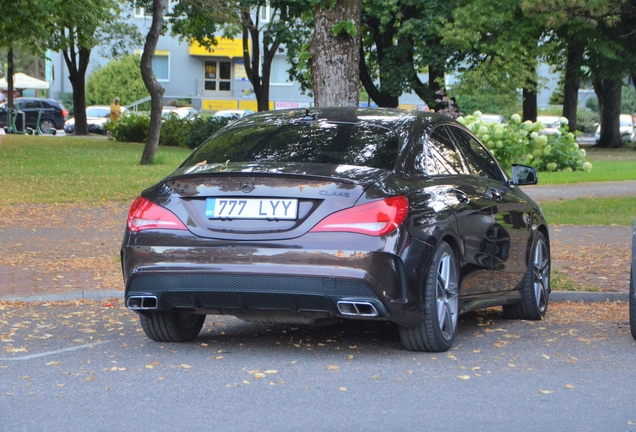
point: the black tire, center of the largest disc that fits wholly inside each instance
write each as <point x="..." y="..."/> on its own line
<point x="632" y="303"/>
<point x="535" y="287"/>
<point x="438" y="329"/>
<point x="46" y="125"/>
<point x="171" y="326"/>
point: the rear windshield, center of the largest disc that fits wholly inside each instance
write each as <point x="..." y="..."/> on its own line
<point x="359" y="144"/>
<point x="97" y="112"/>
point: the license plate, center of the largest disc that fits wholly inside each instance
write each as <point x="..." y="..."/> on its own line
<point x="251" y="208"/>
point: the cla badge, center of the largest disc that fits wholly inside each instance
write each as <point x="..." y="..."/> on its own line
<point x="247" y="185"/>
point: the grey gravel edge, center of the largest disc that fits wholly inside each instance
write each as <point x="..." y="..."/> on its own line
<point x="555" y="296"/>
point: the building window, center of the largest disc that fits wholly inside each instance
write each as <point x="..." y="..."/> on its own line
<point x="278" y="72"/>
<point x="265" y="13"/>
<point x="161" y="66"/>
<point x="217" y="75"/>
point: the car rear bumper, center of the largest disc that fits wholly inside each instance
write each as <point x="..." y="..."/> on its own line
<point x="251" y="280"/>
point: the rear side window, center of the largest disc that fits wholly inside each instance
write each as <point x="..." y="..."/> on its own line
<point x="478" y="159"/>
<point x="441" y="156"/>
<point x="32" y="104"/>
<point x="359" y="144"/>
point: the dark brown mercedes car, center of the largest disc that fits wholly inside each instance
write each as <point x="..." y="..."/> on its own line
<point x="307" y="216"/>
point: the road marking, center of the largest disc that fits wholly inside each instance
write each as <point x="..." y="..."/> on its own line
<point x="48" y="353"/>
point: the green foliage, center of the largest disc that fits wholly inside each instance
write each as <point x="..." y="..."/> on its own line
<point x="175" y="131"/>
<point x="201" y="128"/>
<point x="67" y="100"/>
<point x="586" y="121"/>
<point x="471" y="98"/>
<point x="121" y="78"/>
<point x="132" y="128"/>
<point x="522" y="142"/>
<point x="348" y="26"/>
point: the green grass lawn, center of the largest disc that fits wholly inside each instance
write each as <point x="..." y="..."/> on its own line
<point x="607" y="165"/>
<point x="46" y="169"/>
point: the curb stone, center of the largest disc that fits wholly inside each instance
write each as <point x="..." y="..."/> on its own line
<point x="66" y="296"/>
<point x="555" y="296"/>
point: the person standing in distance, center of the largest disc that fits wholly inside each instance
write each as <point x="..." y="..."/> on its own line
<point x="115" y="113"/>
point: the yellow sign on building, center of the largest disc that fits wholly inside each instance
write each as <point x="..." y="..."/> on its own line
<point x="216" y="104"/>
<point x="252" y="105"/>
<point x="224" y="48"/>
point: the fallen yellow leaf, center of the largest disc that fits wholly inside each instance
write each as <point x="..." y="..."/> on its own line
<point x="270" y="371"/>
<point x="343" y="389"/>
<point x="464" y="377"/>
<point x="570" y="386"/>
<point x="333" y="367"/>
<point x="546" y="392"/>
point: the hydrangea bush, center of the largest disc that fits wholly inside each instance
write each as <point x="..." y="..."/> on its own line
<point x="524" y="143"/>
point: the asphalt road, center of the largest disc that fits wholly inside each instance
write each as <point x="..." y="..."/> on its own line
<point x="89" y="367"/>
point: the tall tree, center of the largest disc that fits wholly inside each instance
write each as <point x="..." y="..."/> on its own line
<point x="400" y="38"/>
<point x="335" y="53"/>
<point x="499" y="45"/>
<point x="264" y="26"/>
<point x="151" y="83"/>
<point x="23" y="24"/>
<point x="78" y="26"/>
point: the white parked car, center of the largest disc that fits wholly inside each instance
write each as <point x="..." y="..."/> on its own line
<point x="232" y="114"/>
<point x="96" y="117"/>
<point x="626" y="129"/>
<point x="181" y="112"/>
<point x="552" y="125"/>
<point x="493" y="118"/>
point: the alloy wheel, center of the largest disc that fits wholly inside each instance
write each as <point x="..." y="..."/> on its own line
<point x="447" y="296"/>
<point x="541" y="270"/>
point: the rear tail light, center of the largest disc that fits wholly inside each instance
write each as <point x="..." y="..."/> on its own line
<point x="64" y="113"/>
<point x="376" y="218"/>
<point x="144" y="215"/>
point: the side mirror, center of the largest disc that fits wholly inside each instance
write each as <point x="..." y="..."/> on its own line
<point x="523" y="175"/>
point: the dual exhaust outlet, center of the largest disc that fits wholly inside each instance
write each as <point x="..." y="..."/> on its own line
<point x="142" y="302"/>
<point x="354" y="308"/>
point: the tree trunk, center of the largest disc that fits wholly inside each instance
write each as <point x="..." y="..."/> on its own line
<point x="530" y="102"/>
<point x="335" y="58"/>
<point x="382" y="99"/>
<point x="260" y="83"/>
<point x="153" y="87"/>
<point x="10" y="79"/>
<point x="77" y="64"/>
<point x="572" y="83"/>
<point x="608" y="93"/>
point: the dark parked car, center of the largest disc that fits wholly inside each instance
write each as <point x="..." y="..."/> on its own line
<point x="311" y="216"/>
<point x="53" y="114"/>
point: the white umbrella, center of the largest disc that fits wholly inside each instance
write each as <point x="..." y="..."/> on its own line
<point x="23" y="81"/>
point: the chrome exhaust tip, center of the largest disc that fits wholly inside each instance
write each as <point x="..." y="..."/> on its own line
<point x="142" y="302"/>
<point x="352" y="308"/>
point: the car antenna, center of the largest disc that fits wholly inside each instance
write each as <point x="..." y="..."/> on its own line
<point x="309" y="117"/>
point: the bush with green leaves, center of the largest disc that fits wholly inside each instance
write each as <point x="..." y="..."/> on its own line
<point x="132" y="127"/>
<point x="526" y="143"/>
<point x="121" y="78"/>
<point x="201" y="128"/>
<point x="174" y="131"/>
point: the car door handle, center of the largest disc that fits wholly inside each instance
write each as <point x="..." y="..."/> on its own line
<point x="461" y="196"/>
<point x="494" y="194"/>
